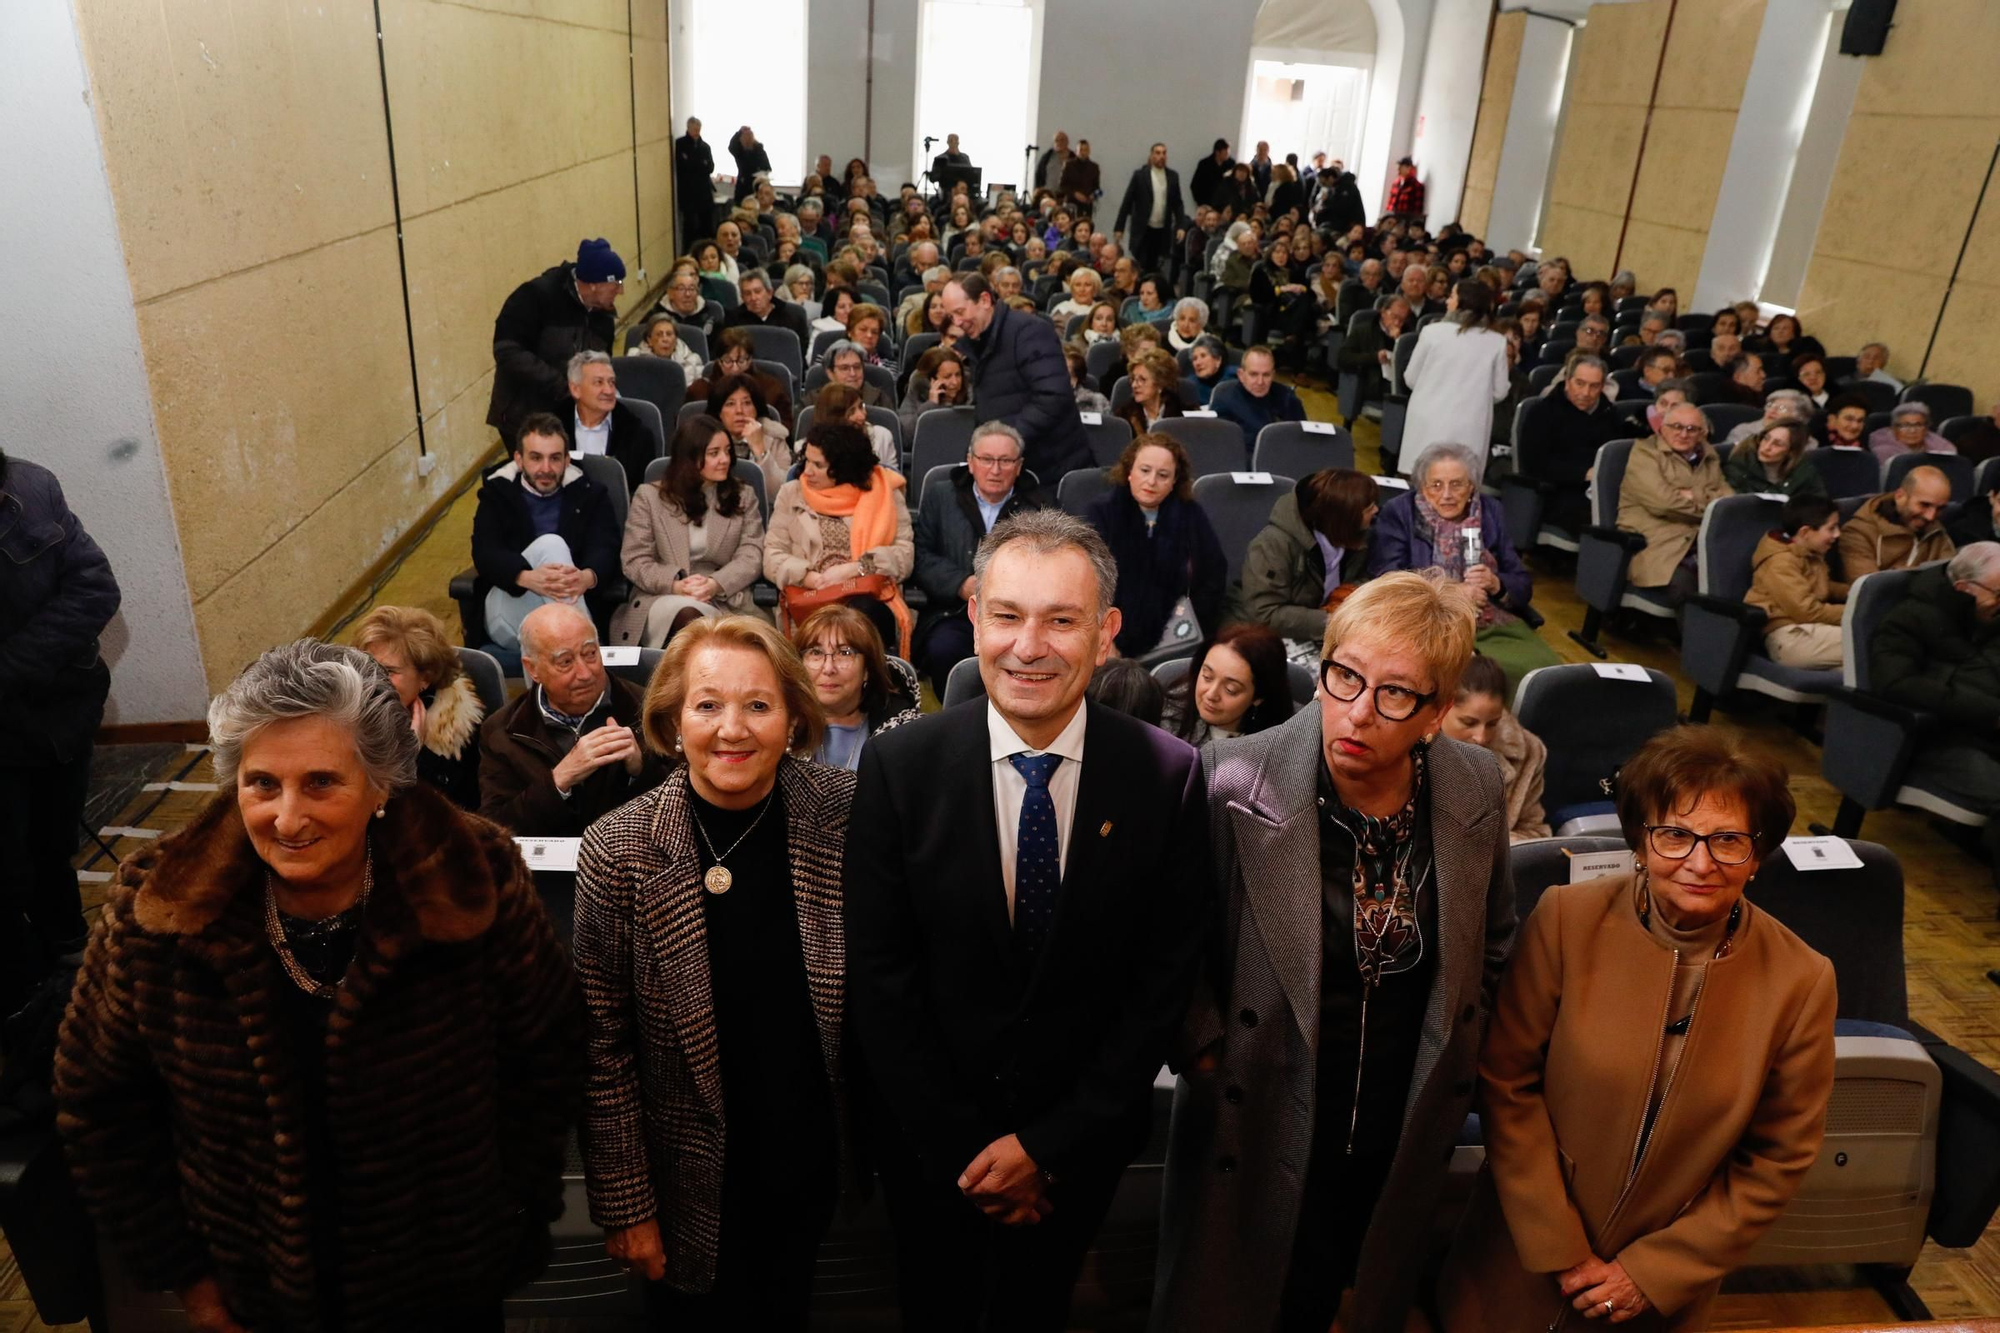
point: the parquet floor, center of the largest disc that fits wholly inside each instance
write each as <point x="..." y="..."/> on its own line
<point x="1950" y="935"/>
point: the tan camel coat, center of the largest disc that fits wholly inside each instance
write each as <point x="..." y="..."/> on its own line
<point x="1650" y="503"/>
<point x="1565" y="1077"/>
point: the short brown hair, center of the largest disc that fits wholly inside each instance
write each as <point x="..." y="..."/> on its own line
<point x="834" y="401"/>
<point x="667" y="691"/>
<point x="418" y="635"/>
<point x="1678" y="767"/>
<point x="1332" y="501"/>
<point x="1419" y="608"/>
<point x="1183" y="468"/>
<point x="843" y="623"/>
<point x="867" y="310"/>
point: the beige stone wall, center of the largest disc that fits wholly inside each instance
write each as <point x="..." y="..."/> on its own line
<point x="249" y="167"/>
<point x="1925" y="121"/>
<point x="1694" y="118"/>
<point x="1610" y="86"/>
<point x="1496" y="95"/>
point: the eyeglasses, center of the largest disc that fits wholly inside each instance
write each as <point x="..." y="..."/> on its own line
<point x="1458" y="487"/>
<point x="817" y="656"/>
<point x="1395" y="702"/>
<point x="1677" y="844"/>
<point x="989" y="461"/>
<point x="1683" y="429"/>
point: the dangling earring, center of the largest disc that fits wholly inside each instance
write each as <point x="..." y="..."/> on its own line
<point x="381" y="811"/>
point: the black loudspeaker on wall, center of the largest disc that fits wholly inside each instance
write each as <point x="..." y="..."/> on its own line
<point x="1867" y="27"/>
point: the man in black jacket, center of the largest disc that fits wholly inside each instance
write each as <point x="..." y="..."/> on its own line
<point x="694" y="188"/>
<point x="951" y="522"/>
<point x="1560" y="436"/>
<point x="547" y="320"/>
<point x="751" y="161"/>
<point x="760" y="309"/>
<point x="1153" y="206"/>
<point x="1338" y="208"/>
<point x="1019" y="376"/>
<point x="1205" y="187"/>
<point x="57" y="594"/>
<point x="1026" y="894"/>
<point x="598" y="423"/>
<point x="543" y="532"/>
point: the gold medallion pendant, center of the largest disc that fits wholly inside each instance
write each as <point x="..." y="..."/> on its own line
<point x="717" y="880"/>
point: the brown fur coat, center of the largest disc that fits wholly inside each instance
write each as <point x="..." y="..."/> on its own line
<point x="453" y="1070"/>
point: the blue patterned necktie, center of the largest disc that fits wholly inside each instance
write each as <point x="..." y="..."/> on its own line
<point x="1037" y="852"/>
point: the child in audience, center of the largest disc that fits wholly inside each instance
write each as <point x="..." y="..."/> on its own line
<point x="1479" y="716"/>
<point x="1791" y="584"/>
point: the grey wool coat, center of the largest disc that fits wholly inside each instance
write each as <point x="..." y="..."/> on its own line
<point x="1242" y="1131"/>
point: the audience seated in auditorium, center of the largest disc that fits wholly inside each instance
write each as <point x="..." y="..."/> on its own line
<point x="1791" y="583"/>
<point x="861" y="691"/>
<point x="1457" y="372"/>
<point x="1844" y="423"/>
<point x="1785" y="337"/>
<point x="1288" y="303"/>
<point x="1671" y="477"/>
<point x="694" y="540"/>
<point x="662" y="339"/>
<point x="1445" y="522"/>
<point x="1084" y="285"/>
<point x="1978" y="519"/>
<point x="738" y="402"/>
<point x="1210" y="367"/>
<point x="1908" y="432"/>
<point x="570" y="307"/>
<point x="1128" y="687"/>
<point x="1899" y="530"/>
<point x="835" y="307"/>
<point x="1656" y="366"/>
<point x="543" y="531"/>
<point x="1241" y="266"/>
<point x="1779" y="405"/>
<point x="1746" y="379"/>
<point x="1087" y="399"/>
<point x="866" y="330"/>
<point x="1571" y="428"/>
<point x="1938" y="651"/>
<point x="598" y="423"/>
<point x="1255" y="399"/>
<point x="1774" y="460"/>
<point x="760" y="308"/>
<point x="1310" y="555"/>
<point x="1479" y="715"/>
<point x="951" y="522"/>
<point x="566" y="750"/>
<point x="1358" y="292"/>
<point x="1172" y="574"/>
<point x="735" y="357"/>
<point x="938" y="380"/>
<point x="841" y="532"/>
<point x="1190" y="319"/>
<point x="845" y="362"/>
<point x="413" y="646"/>
<point x="1367" y="351"/>
<point x="1871" y="363"/>
<point x="837" y="402"/>
<point x="1809" y="373"/>
<point x="1236" y="684"/>
<point x="1155" y="388"/>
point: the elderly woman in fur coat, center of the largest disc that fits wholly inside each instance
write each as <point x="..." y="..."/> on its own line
<point x="324" y="1047"/>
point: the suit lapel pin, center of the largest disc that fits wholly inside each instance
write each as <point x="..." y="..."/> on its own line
<point x="1105" y="831"/>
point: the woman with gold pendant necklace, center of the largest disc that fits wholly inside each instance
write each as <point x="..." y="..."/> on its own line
<point x="708" y="936"/>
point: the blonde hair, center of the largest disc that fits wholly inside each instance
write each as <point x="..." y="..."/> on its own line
<point x="419" y="635"/>
<point x="667" y="691"/>
<point x="1418" y="609"/>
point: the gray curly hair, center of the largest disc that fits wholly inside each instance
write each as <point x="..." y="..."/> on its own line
<point x="345" y="686"/>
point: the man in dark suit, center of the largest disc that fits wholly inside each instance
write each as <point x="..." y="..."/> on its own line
<point x="694" y="186"/>
<point x="599" y="423"/>
<point x="1019" y="376"/>
<point x="1022" y="937"/>
<point x="760" y="308"/>
<point x="1153" y="206"/>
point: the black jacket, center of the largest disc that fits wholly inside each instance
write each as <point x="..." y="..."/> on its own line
<point x="631" y="442"/>
<point x="1289" y="195"/>
<point x="1932" y="652"/>
<point x="694" y="164"/>
<point x="1019" y="376"/>
<point x="1339" y="208"/>
<point x="541" y="326"/>
<point x="1138" y="204"/>
<point x="948" y="531"/>
<point x="1180" y="557"/>
<point x="1205" y="186"/>
<point x="57" y="594"/>
<point x="964" y="1038"/>
<point x="749" y="162"/>
<point x="784" y="315"/>
<point x="501" y="529"/>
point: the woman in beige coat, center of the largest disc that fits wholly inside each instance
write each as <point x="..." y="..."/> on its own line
<point x="844" y="520"/>
<point x="1655" y="1077"/>
<point x="694" y="540"/>
<point x="1670" y="479"/>
<point x="1479" y="716"/>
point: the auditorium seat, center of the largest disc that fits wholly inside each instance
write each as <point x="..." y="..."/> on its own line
<point x="1289" y="447"/>
<point x="1524" y="491"/>
<point x="657" y="379"/>
<point x="877" y="416"/>
<point x="1078" y="490"/>
<point x="1298" y="676"/>
<point x="489" y="682"/>
<point x="1108" y="437"/>
<point x="1604" y="553"/>
<point x="1239" y="508"/>
<point x="647" y="412"/>
<point x="769" y="342"/>
<point x="1100" y="357"/>
<point x="1725" y="417"/>
<point x="1396" y="401"/>
<point x="1591" y="724"/>
<point x="1944" y="400"/>
<point x="1722" y="638"/>
<point x="1847" y="472"/>
<point x="943" y="435"/>
<point x="1213" y="445"/>
<point x="694" y="339"/>
<point x="1880" y="397"/>
<point x="964" y="683"/>
<point x="1957" y="467"/>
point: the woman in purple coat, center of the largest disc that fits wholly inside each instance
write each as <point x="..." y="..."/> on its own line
<point x="1446" y="522"/>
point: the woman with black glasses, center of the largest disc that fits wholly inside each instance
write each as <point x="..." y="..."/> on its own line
<point x="1328" y="1060"/>
<point x="1654" y="1085"/>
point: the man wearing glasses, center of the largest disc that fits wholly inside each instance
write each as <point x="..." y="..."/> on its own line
<point x="1669" y="480"/>
<point x="954" y="514"/>
<point x="571" y="307"/>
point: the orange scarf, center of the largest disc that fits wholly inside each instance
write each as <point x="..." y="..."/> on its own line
<point x="871" y="522"/>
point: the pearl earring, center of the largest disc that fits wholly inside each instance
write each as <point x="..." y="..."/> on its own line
<point x="381" y="811"/>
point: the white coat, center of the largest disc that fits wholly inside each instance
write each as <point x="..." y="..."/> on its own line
<point x="1455" y="376"/>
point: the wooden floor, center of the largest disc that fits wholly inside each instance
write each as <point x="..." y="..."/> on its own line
<point x="1950" y="934"/>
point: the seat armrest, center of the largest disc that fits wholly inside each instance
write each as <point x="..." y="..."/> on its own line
<point x="1750" y="617"/>
<point x="1630" y="541"/>
<point x="764" y="593"/>
<point x="1918" y="723"/>
<point x="1968" y="1151"/>
<point x="464" y="584"/>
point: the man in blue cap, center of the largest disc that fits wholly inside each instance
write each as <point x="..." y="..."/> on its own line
<point x="569" y="308"/>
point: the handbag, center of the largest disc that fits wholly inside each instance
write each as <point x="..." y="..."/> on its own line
<point x="799" y="602"/>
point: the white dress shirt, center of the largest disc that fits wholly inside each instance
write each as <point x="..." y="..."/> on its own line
<point x="1159" y="215"/>
<point x="1010" y="789"/>
<point x="593" y="439"/>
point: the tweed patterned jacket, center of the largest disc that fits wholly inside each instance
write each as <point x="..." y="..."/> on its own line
<point x="453" y="1071"/>
<point x="653" y="1123"/>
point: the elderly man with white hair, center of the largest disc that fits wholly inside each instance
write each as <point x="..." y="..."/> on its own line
<point x="1871" y="363"/>
<point x="1781" y="405"/>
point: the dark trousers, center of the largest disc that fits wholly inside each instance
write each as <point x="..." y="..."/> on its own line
<point x="763" y="1280"/>
<point x="1150" y="246"/>
<point x="958" y="1272"/>
<point x="946" y="643"/>
<point x="40" y="808"/>
<point x="697" y="218"/>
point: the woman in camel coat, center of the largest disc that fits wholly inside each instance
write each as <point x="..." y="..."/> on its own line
<point x="1655" y="1077"/>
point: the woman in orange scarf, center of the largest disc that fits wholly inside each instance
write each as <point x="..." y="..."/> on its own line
<point x="840" y="532"/>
